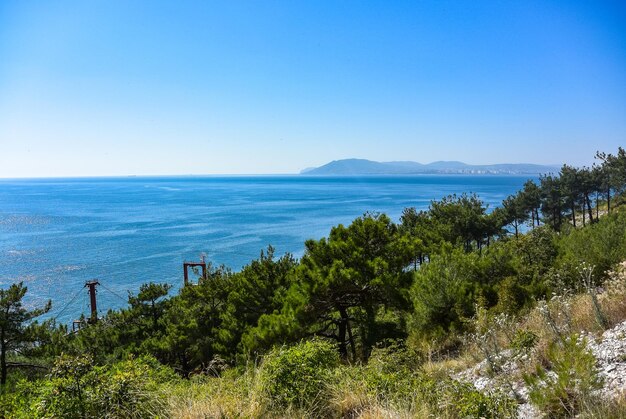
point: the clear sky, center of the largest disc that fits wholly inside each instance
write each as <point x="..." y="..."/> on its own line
<point x="119" y="87"/>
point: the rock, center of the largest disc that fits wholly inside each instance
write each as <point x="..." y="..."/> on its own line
<point x="609" y="350"/>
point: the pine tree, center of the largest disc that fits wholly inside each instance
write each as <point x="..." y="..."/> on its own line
<point x="14" y="323"/>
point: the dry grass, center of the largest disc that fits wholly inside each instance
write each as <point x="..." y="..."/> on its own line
<point x="353" y="401"/>
<point x="605" y="409"/>
<point x="575" y="313"/>
<point x="445" y="367"/>
<point x="212" y="397"/>
<point x="227" y="397"/>
<point x="613" y="299"/>
<point x="548" y="321"/>
<point x="359" y="404"/>
<point x="350" y="397"/>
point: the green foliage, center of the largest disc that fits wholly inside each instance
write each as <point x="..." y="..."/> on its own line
<point x="15" y="327"/>
<point x="392" y="372"/>
<point x="524" y="341"/>
<point x="552" y="201"/>
<point x="192" y="324"/>
<point x="536" y="252"/>
<point x="459" y="219"/>
<point x="464" y="401"/>
<point x="443" y="293"/>
<point x="512" y="295"/>
<point x="78" y="389"/>
<point x="365" y="284"/>
<point x="298" y="375"/>
<point x="15" y="403"/>
<point x="446" y="290"/>
<point x="515" y="211"/>
<point x="259" y="289"/>
<point x="567" y="386"/>
<point x="150" y="303"/>
<point x="341" y="285"/>
<point x="612" y="173"/>
<point x="602" y="245"/>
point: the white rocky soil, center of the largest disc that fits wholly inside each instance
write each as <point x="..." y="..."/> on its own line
<point x="609" y="350"/>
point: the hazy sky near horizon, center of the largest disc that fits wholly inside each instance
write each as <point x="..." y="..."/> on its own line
<point x="116" y="87"/>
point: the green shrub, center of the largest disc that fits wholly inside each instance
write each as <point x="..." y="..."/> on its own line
<point x="511" y="295"/>
<point x="451" y="398"/>
<point x="392" y="373"/>
<point x="465" y="401"/>
<point x="394" y="377"/>
<point x="77" y="389"/>
<point x="524" y="341"/>
<point x="601" y="245"/>
<point x="443" y="293"/>
<point x="297" y="376"/>
<point x="15" y="402"/>
<point x="563" y="391"/>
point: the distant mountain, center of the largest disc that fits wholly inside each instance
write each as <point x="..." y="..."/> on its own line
<point x="369" y="167"/>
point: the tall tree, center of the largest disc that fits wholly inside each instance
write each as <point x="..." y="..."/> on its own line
<point x="551" y="200"/>
<point x="342" y="284"/>
<point x="571" y="189"/>
<point x="514" y="211"/>
<point x="531" y="200"/>
<point x="417" y="228"/>
<point x="587" y="188"/>
<point x="459" y="219"/>
<point x="598" y="177"/>
<point x="192" y="322"/>
<point x="612" y="172"/>
<point x="258" y="289"/>
<point x="150" y="302"/>
<point x="14" y="323"/>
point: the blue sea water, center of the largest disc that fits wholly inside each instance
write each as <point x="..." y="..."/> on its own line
<point x="55" y="234"/>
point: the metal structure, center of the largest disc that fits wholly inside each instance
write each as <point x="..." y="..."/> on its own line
<point x="92" y="300"/>
<point x="93" y="304"/>
<point x="187" y="265"/>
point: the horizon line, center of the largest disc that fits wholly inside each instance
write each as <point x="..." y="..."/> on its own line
<point x="261" y="175"/>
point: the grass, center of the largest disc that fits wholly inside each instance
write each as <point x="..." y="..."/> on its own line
<point x="216" y="397"/>
<point x="373" y="391"/>
<point x="393" y="388"/>
<point x="605" y="409"/>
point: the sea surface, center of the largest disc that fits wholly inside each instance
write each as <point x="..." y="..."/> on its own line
<point x="55" y="234"/>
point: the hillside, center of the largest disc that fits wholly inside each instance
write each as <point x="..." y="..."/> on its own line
<point x="349" y="167"/>
<point x="452" y="312"/>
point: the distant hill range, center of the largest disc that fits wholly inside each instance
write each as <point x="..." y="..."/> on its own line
<point x="369" y="167"/>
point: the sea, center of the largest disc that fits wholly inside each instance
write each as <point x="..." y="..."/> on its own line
<point x="56" y="234"/>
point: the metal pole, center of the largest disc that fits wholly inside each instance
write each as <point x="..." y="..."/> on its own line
<point x="92" y="299"/>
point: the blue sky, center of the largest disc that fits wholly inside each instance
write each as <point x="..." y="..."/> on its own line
<point x="182" y="87"/>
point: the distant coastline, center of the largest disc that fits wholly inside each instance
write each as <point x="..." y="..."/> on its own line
<point x="350" y="167"/>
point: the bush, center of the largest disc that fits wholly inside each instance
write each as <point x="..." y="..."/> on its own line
<point x="15" y="402"/>
<point x="77" y="389"/>
<point x="393" y="382"/>
<point x="297" y="376"/>
<point x="465" y="401"/>
<point x="601" y="245"/>
<point x="524" y="341"/>
<point x="443" y="293"/>
<point x="391" y="373"/>
<point x="563" y="391"/>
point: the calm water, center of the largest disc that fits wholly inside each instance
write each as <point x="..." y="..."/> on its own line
<point x="57" y="233"/>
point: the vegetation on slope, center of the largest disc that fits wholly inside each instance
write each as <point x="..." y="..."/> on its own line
<point x="372" y="320"/>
